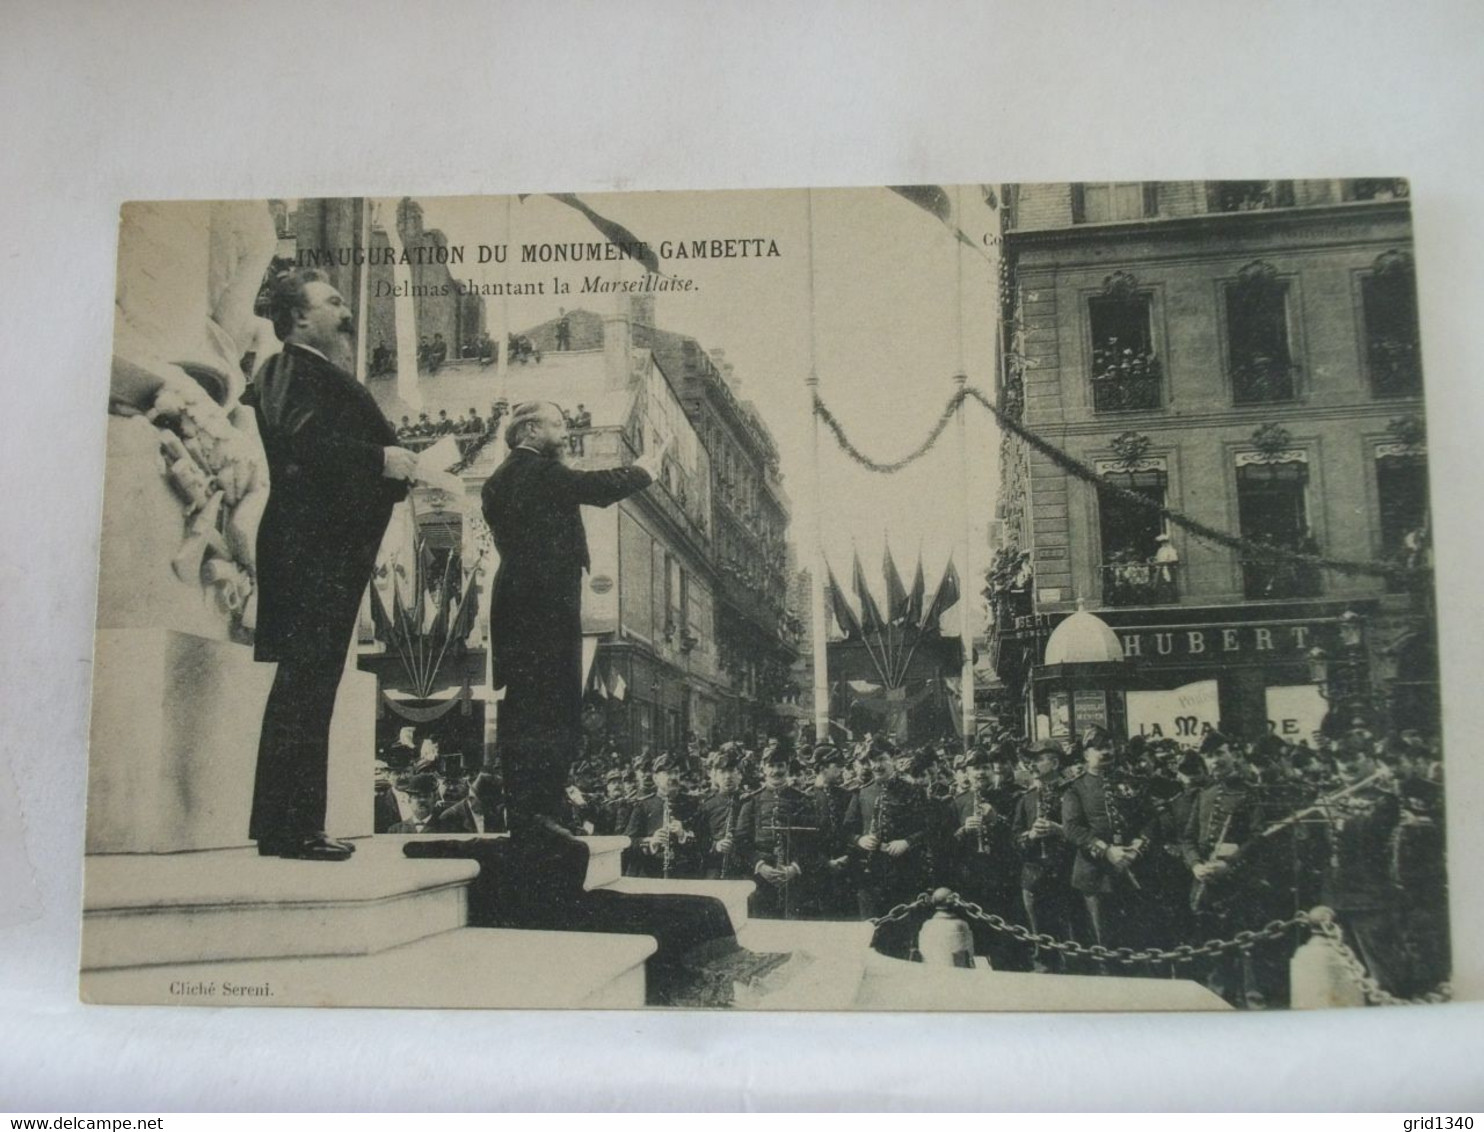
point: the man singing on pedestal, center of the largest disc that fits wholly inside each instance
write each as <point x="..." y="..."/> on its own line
<point x="532" y="505"/>
<point x="336" y="471"/>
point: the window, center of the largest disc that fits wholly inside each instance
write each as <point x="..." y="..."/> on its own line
<point x="1248" y="196"/>
<point x="1272" y="509"/>
<point x="1125" y="368"/>
<point x="1097" y="203"/>
<point x="1401" y="489"/>
<point x="1138" y="566"/>
<point x="1259" y="355"/>
<point x="1389" y="303"/>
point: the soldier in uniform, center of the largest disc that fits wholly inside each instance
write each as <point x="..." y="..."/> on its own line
<point x="664" y="828"/>
<point x="1111" y="822"/>
<point x="1226" y="897"/>
<point x="834" y="895"/>
<point x="1357" y="879"/>
<point x="720" y="811"/>
<point x="780" y="841"/>
<point x="615" y="807"/>
<point x="984" y="865"/>
<point x="1046" y="855"/>
<point x="887" y="823"/>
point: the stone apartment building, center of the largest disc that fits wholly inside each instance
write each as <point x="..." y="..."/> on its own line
<point x="1246" y="353"/>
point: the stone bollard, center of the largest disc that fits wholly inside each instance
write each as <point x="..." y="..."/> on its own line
<point x="1318" y="978"/>
<point x="945" y="940"/>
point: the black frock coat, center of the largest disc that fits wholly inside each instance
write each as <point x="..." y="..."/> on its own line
<point x="328" y="505"/>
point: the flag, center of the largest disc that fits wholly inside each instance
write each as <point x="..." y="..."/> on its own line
<point x="896" y="593"/>
<point x="597" y="683"/>
<point x="379" y="616"/>
<point x="619" y="686"/>
<point x="944" y="597"/>
<point x="463" y="622"/>
<point x="614" y="232"/>
<point x="934" y="200"/>
<point x="844" y="616"/>
<point x="915" y="599"/>
<point x="930" y="198"/>
<point x="871" y="620"/>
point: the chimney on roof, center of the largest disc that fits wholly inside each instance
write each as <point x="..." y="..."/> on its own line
<point x="618" y="339"/>
<point x="641" y="310"/>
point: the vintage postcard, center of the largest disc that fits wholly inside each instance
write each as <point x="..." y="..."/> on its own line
<point x="931" y="597"/>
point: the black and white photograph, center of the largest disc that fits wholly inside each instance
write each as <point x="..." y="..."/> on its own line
<point x="964" y="597"/>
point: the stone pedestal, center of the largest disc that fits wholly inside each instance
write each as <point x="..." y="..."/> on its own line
<point x="175" y="730"/>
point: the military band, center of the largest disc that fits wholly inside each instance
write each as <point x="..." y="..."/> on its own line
<point x="1126" y="844"/>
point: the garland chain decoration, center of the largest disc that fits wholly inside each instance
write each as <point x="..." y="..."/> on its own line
<point x="1247" y="548"/>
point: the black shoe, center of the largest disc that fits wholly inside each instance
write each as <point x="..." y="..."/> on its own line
<point x="317" y="848"/>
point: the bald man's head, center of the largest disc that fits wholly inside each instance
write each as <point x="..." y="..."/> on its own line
<point x="539" y="425"/>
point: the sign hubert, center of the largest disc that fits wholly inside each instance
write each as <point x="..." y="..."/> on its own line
<point x="1218" y="642"/>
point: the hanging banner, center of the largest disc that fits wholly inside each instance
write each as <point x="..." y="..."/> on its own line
<point x="1295" y="711"/>
<point x="1184" y="714"/>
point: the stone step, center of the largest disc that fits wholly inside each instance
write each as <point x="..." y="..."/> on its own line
<point x="605" y="861"/>
<point x="605" y="854"/>
<point x="732" y="893"/>
<point x="483" y="968"/>
<point x="895" y="984"/>
<point x="152" y="909"/>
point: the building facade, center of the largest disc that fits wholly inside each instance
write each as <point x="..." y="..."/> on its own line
<point x="1246" y="354"/>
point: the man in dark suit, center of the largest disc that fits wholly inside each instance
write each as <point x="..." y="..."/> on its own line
<point x="335" y="471"/>
<point x="532" y="504"/>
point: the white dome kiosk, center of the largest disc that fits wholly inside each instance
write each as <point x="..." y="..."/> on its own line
<point x="1083" y="663"/>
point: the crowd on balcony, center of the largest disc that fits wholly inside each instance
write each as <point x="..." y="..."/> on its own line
<point x="465" y="424"/>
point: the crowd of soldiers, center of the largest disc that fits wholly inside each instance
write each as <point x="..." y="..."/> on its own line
<point x="1140" y="845"/>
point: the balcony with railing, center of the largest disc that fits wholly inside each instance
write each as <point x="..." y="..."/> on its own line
<point x="1124" y="379"/>
<point x="1140" y="583"/>
<point x="1276" y="579"/>
<point x="1260" y="380"/>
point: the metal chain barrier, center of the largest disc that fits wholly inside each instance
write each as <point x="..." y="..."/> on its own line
<point x="1320" y="920"/>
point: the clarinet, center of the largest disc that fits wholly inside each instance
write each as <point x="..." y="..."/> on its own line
<point x="983" y="808"/>
<point x="667" y="856"/>
<point x="728" y="830"/>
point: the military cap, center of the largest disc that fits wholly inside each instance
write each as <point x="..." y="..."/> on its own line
<point x="1046" y="747"/>
<point x="826" y="755"/>
<point x="1214" y="740"/>
<point x="1190" y="764"/>
<point x="978" y="756"/>
<point x="773" y="756"/>
<point x="1096" y="736"/>
<point x="666" y="764"/>
<point x="726" y="759"/>
<point x="614" y="776"/>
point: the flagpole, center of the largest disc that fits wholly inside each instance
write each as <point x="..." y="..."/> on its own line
<point x="966" y="585"/>
<point x="363" y="291"/>
<point x="816" y="580"/>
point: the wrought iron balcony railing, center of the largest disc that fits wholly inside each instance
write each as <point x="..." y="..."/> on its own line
<point x="1140" y="583"/>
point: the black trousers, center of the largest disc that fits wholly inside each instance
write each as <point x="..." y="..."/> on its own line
<point x="539" y="737"/>
<point x="291" y="788"/>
